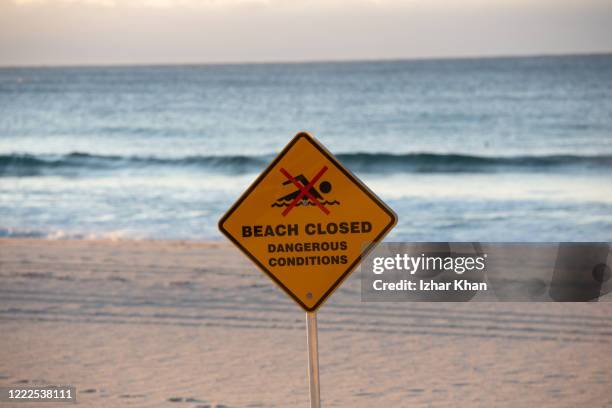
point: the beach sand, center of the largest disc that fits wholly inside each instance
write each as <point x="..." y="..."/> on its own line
<point x="189" y="324"/>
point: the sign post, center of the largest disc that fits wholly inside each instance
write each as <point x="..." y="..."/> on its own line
<point x="307" y="222"/>
<point x="313" y="359"/>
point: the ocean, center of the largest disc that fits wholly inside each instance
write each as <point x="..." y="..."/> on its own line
<point x="495" y="149"/>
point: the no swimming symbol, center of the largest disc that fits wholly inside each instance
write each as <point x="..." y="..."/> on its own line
<point x="306" y="194"/>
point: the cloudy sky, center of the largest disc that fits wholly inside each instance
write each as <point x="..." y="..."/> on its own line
<point x="50" y="32"/>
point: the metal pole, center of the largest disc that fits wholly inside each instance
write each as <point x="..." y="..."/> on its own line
<point x="313" y="359"/>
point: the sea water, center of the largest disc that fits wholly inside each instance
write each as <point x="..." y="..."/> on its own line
<point x="495" y="149"/>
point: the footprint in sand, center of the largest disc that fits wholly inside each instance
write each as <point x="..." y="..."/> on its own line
<point x="132" y="396"/>
<point x="175" y="399"/>
<point x="211" y="406"/>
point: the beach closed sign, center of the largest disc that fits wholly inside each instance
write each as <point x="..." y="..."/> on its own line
<point x="307" y="221"/>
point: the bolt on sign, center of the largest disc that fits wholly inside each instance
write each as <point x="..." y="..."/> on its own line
<point x="307" y="221"/>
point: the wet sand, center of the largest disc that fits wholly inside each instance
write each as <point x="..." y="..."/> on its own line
<point x="189" y="324"/>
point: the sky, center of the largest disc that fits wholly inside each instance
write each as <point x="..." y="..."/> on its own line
<point x="93" y="32"/>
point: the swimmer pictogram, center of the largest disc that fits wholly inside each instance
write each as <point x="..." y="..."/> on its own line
<point x="306" y="193"/>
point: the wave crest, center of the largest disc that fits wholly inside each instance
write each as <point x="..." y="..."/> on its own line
<point x="78" y="163"/>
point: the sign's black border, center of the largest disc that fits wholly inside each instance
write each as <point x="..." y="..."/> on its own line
<point x="352" y="177"/>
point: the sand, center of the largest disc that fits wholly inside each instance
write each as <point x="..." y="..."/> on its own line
<point x="187" y="324"/>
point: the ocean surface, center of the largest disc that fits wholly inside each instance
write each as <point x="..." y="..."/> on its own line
<point x="498" y="149"/>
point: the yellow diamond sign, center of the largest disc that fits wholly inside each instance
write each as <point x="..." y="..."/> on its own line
<point x="307" y="221"/>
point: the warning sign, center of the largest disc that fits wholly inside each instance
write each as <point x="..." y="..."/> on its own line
<point x="307" y="221"/>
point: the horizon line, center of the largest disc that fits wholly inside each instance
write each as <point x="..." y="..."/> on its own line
<point x="307" y="61"/>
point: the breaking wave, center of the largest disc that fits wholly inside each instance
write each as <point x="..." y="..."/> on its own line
<point x="77" y="163"/>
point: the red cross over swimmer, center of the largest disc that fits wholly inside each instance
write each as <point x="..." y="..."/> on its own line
<point x="305" y="189"/>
